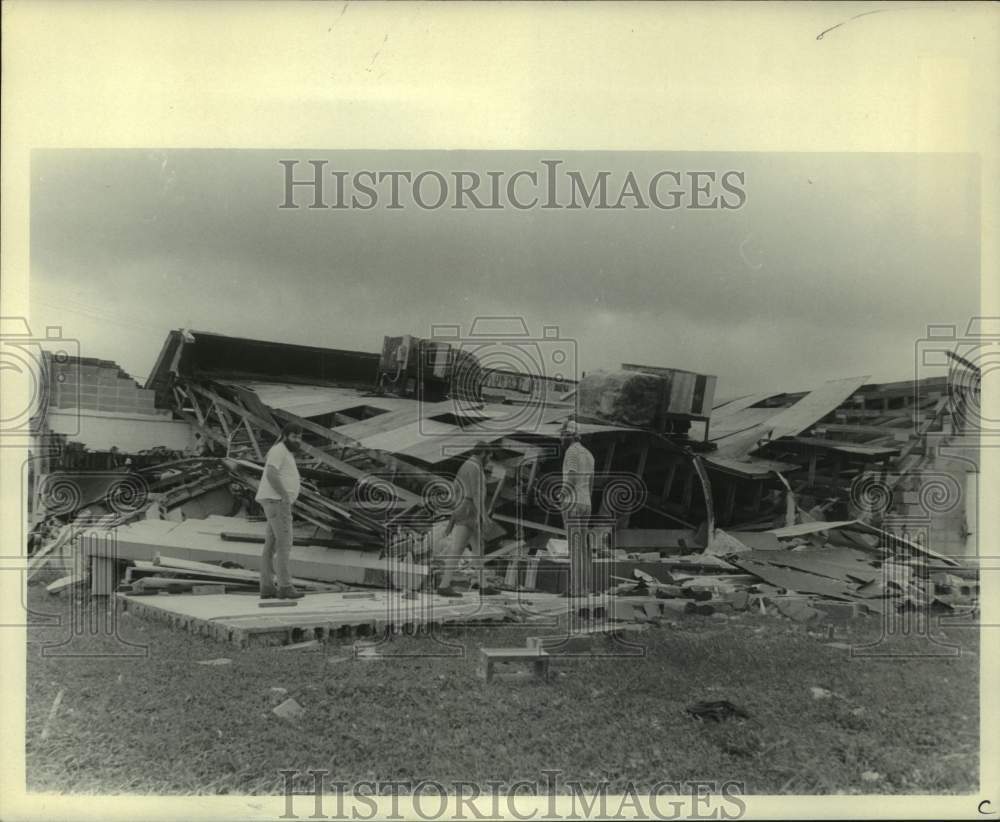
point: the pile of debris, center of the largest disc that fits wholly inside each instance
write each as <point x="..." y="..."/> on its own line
<point x="699" y="507"/>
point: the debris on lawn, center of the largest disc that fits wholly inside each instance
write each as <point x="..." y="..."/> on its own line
<point x="792" y="505"/>
<point x="218" y="661"/>
<point x="366" y="650"/>
<point x="289" y="709"/>
<point x="716" y="711"/>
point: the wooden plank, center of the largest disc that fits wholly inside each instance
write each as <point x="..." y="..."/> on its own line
<point x="758" y="540"/>
<point x="811" y="562"/>
<point x="218" y="572"/>
<point x="238" y="619"/>
<point x="63" y="583"/>
<point x="793" y="580"/>
<point x="143" y="540"/>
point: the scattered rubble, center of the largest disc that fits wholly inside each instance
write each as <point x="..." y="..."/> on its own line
<point x="289" y="709"/>
<point x="782" y="504"/>
<point x="716" y="711"/>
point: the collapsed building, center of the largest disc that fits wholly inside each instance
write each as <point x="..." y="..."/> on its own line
<point x="852" y="495"/>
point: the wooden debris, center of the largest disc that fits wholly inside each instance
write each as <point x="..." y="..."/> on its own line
<point x="65" y="583"/>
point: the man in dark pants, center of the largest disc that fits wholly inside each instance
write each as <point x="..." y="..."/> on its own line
<point x="578" y="488"/>
<point x="278" y="490"/>
<point x="468" y="519"/>
<point x="578" y="477"/>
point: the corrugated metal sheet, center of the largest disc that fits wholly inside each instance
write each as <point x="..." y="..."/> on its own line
<point x="314" y="400"/>
<point x="734" y="415"/>
<point x="412" y="434"/>
<point x="813" y="407"/>
<point x="396" y="419"/>
<point x="789" y="421"/>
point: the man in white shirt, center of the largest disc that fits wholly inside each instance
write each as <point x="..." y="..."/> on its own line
<point x="578" y="477"/>
<point x="278" y="490"/>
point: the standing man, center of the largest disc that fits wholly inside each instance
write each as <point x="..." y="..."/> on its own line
<point x="578" y="486"/>
<point x="467" y="520"/>
<point x="578" y="477"/>
<point x="278" y="490"/>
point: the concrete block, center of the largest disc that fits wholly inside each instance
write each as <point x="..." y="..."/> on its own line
<point x="537" y="658"/>
<point x="289" y="709"/>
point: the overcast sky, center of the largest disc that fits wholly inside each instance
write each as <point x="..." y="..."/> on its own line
<point x="834" y="267"/>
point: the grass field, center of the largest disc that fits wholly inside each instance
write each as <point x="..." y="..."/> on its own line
<point x="164" y="724"/>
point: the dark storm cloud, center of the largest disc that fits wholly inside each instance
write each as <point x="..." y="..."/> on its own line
<point x="834" y="265"/>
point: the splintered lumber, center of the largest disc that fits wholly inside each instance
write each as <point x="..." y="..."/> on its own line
<point x="190" y="586"/>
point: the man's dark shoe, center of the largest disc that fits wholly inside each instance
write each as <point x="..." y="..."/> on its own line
<point x="289" y="593"/>
<point x="447" y="592"/>
<point x="267" y="594"/>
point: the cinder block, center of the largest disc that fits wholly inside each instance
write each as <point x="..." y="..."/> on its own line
<point x="537" y="658"/>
